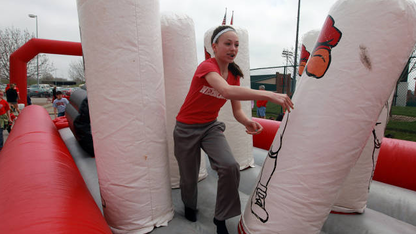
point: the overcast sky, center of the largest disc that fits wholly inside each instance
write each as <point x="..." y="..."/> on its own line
<point x="271" y="24"/>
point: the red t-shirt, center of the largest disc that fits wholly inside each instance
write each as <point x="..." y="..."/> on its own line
<point x="261" y="103"/>
<point x="4" y="107"/>
<point x="203" y="102"/>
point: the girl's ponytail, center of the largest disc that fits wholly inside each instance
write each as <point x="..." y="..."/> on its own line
<point x="235" y="70"/>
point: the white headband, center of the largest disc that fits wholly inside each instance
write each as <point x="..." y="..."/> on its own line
<point x="220" y="33"/>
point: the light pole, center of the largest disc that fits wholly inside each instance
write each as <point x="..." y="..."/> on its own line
<point x="286" y="54"/>
<point x="296" y="50"/>
<point x="37" y="56"/>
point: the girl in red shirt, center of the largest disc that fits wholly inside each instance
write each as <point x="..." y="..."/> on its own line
<point x="215" y="80"/>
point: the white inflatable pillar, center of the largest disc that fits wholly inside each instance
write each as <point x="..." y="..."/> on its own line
<point x="359" y="55"/>
<point x="240" y="143"/>
<point x="353" y="194"/>
<point x="121" y="42"/>
<point x="308" y="44"/>
<point x="179" y="61"/>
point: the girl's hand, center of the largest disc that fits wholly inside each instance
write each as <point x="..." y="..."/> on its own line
<point x="283" y="100"/>
<point x="253" y="128"/>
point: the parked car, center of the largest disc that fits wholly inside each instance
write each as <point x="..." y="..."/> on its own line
<point x="43" y="90"/>
<point x="67" y="91"/>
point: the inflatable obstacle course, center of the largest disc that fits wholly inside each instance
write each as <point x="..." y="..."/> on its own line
<point x="390" y="209"/>
<point x="144" y="166"/>
<point x="342" y="91"/>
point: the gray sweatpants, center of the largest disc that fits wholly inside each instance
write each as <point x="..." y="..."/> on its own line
<point x="189" y="139"/>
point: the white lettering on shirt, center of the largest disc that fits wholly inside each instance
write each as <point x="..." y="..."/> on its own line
<point x="211" y="92"/>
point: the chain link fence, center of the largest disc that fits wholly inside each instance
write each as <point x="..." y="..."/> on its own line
<point x="277" y="79"/>
<point x="402" y="123"/>
<point x="280" y="79"/>
<point x="405" y="90"/>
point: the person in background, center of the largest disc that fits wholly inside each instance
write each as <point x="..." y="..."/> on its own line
<point x="29" y="100"/>
<point x="215" y="80"/>
<point x="261" y="105"/>
<point x="59" y="104"/>
<point x="53" y="93"/>
<point x="4" y="117"/>
<point x="8" y="87"/>
<point x="12" y="96"/>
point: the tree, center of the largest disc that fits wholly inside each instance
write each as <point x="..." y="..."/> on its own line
<point x="12" y="39"/>
<point x="76" y="70"/>
<point x="47" y="76"/>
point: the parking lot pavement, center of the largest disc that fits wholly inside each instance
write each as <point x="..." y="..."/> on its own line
<point x="45" y="102"/>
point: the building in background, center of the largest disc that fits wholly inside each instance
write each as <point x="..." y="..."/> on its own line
<point x="277" y="82"/>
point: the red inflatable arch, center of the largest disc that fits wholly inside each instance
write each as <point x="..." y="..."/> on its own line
<point x="19" y="59"/>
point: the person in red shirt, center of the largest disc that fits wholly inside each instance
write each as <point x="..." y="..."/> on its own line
<point x="261" y="105"/>
<point x="4" y="117"/>
<point x="215" y="80"/>
<point x="8" y="87"/>
<point x="12" y="95"/>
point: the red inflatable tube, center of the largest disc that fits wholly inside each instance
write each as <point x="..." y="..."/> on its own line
<point x="396" y="163"/>
<point x="265" y="139"/>
<point x="61" y="122"/>
<point x="41" y="189"/>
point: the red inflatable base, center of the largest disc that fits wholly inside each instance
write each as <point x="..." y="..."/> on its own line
<point x="396" y="163"/>
<point x="265" y="139"/>
<point x="41" y="189"/>
<point x="396" y="160"/>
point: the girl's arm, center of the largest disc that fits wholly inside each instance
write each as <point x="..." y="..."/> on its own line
<point x="252" y="127"/>
<point x="233" y="92"/>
